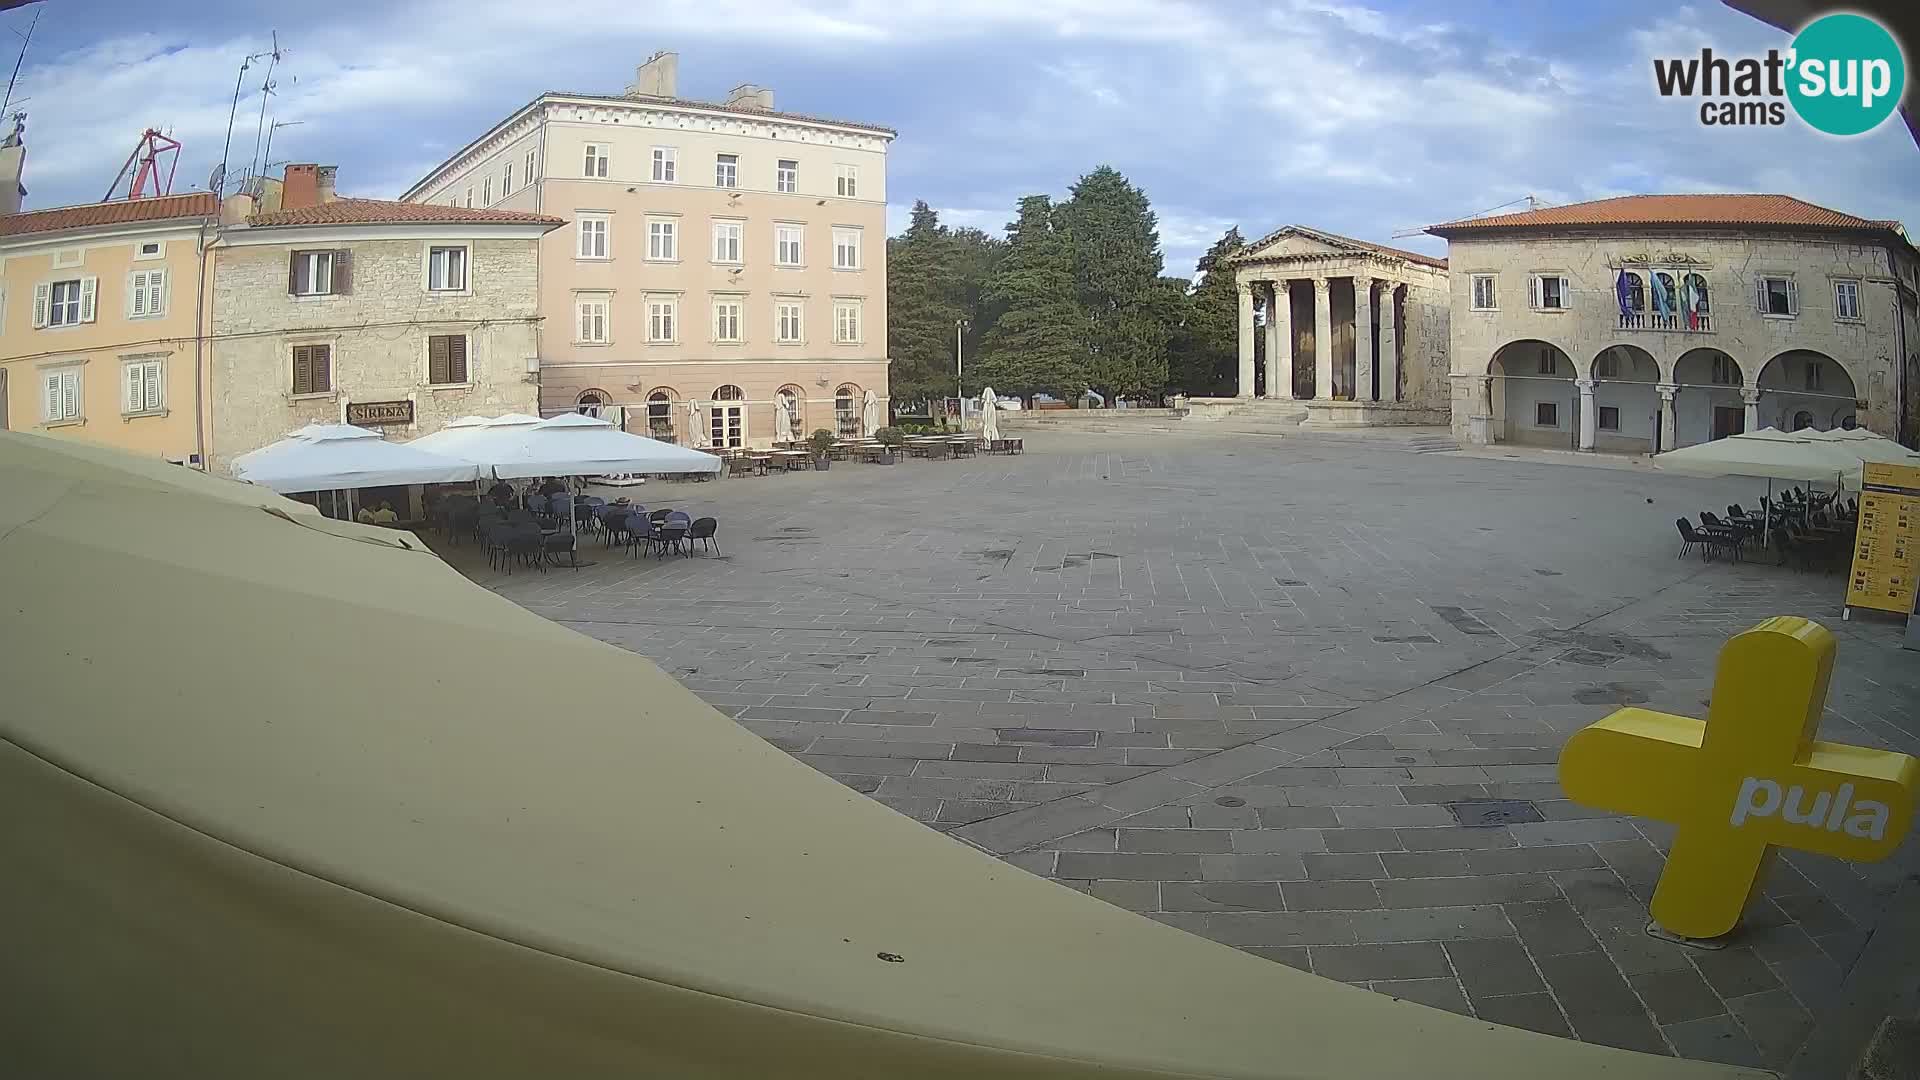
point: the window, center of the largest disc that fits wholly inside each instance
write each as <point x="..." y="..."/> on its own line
<point x="312" y="369"/>
<point x="527" y="169"/>
<point x="1636" y="292"/>
<point x="1778" y="297"/>
<point x="1816" y="377"/>
<point x="846" y="411"/>
<point x="1606" y="366"/>
<point x="728" y="418"/>
<point x="786" y="245"/>
<point x="846" y="322"/>
<point x="506" y="180"/>
<point x="1548" y="364"/>
<point x="846" y="249"/>
<point x="726" y="170"/>
<point x="1609" y="418"/>
<point x="447" y="359"/>
<point x="847" y="181"/>
<point x="1550" y="293"/>
<point x="1725" y="371"/>
<point x="146" y="387"/>
<point x="661" y="240"/>
<point x="666" y="161"/>
<point x="1846" y="300"/>
<point x="590" y="402"/>
<point x="786" y="322"/>
<point x="63" y="396"/>
<point x="146" y="294"/>
<point x="469" y="198"/>
<point x="1484" y="296"/>
<point x="1546" y="414"/>
<point x="319" y="273"/>
<point x="592" y="237"/>
<point x="660" y="414"/>
<point x="64" y="303"/>
<point x="151" y="249"/>
<point x="726" y="241"/>
<point x="660" y="318"/>
<point x="726" y="320"/>
<point x="590" y="315"/>
<point x="447" y="269"/>
<point x="786" y="176"/>
<point x="1802" y="420"/>
<point x="1701" y="301"/>
<point x="596" y="163"/>
<point x="486" y="192"/>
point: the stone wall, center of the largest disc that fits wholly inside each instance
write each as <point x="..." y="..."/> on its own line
<point x="378" y="335"/>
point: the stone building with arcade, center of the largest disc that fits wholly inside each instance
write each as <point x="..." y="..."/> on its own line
<point x="1650" y="322"/>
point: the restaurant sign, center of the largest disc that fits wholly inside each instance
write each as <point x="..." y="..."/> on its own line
<point x="375" y="413"/>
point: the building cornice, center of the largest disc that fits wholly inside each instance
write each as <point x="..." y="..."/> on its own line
<point x="308" y="235"/>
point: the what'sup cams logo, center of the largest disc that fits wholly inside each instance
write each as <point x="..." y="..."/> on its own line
<point x="1843" y="75"/>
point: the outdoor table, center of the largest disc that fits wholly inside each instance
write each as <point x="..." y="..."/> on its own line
<point x="761" y="462"/>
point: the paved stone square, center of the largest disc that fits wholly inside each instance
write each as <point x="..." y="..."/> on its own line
<point x="1300" y="695"/>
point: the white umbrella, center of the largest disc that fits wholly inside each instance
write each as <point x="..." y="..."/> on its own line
<point x="989" y="416"/>
<point x="1864" y="444"/>
<point x="1768" y="452"/>
<point x="330" y="457"/>
<point x="572" y="444"/>
<point x="871" y="409"/>
<point x="457" y="437"/>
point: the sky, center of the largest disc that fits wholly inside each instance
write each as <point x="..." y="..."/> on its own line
<point x="1367" y="119"/>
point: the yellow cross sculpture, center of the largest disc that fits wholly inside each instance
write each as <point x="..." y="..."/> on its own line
<point x="1747" y="779"/>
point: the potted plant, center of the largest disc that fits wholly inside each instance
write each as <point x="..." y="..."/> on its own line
<point x="821" y="441"/>
<point x="891" y="438"/>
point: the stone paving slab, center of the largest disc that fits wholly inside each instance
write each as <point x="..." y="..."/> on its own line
<point x="1299" y="696"/>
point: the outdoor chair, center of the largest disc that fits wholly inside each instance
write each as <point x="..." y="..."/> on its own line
<point x="657" y="515"/>
<point x="1707" y="542"/>
<point x="1688" y="538"/>
<point x="536" y="504"/>
<point x="669" y="536"/>
<point x="613" y="525"/>
<point x="1714" y="525"/>
<point x="702" y="533"/>
<point x="558" y="543"/>
<point x="524" y="544"/>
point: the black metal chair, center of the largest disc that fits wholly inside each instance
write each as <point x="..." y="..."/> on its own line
<point x="669" y="536"/>
<point x="702" y="533"/>
<point x="1688" y="538"/>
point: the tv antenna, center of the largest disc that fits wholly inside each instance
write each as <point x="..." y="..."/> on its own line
<point x="26" y="39"/>
<point x="266" y="159"/>
<point x="233" y="109"/>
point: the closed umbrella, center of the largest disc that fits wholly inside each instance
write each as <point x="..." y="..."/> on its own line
<point x="989" y="416"/>
<point x="870" y="408"/>
<point x="784" y="420"/>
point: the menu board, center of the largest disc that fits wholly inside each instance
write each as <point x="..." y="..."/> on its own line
<point x="1886" y="550"/>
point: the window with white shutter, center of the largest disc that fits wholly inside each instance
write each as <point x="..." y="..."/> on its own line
<point x="146" y="294"/>
<point x="64" y="303"/>
<point x="62" y="399"/>
<point x="528" y="168"/>
<point x="590" y="319"/>
<point x="1485" y="298"/>
<point x="1777" y="297"/>
<point x="506" y="180"/>
<point x="1549" y="292"/>
<point x="145" y="387"/>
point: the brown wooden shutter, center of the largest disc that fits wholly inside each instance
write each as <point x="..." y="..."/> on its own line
<point x="437" y="349"/>
<point x="322" y="369"/>
<point x="343" y="271"/>
<point x="457" y="358"/>
<point x="294" y="263"/>
<point x="302" y="370"/>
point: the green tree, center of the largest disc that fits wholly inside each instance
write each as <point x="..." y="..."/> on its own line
<point x="1037" y="341"/>
<point x="1205" y="351"/>
<point x="923" y="303"/>
<point x="1114" y="240"/>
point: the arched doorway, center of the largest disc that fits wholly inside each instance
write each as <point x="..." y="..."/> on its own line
<point x="727" y="418"/>
<point x="846" y="411"/>
<point x="1532" y="399"/>
<point x="660" y="414"/>
<point x="795" y="401"/>
<point x="1625" y="405"/>
<point x="590" y="402"/>
<point x="1708" y="404"/>
<point x="1801" y="388"/>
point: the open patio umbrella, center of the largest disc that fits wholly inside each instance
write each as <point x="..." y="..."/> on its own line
<point x="468" y="431"/>
<point x="495" y="848"/>
<point x="989" y="415"/>
<point x="1769" y="453"/>
<point x="572" y="444"/>
<point x="870" y="414"/>
<point x="331" y="457"/>
<point x="1865" y="445"/>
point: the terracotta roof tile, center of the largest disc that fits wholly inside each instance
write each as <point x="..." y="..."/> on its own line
<point x="197" y="204"/>
<point x="738" y="110"/>
<point x="1763" y="211"/>
<point x="388" y="212"/>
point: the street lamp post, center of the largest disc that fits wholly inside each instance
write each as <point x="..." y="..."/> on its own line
<point x="959" y="358"/>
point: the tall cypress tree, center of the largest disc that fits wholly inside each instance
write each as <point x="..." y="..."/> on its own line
<point x="1037" y="343"/>
<point x="1205" y="357"/>
<point x="922" y="306"/>
<point x="1114" y="239"/>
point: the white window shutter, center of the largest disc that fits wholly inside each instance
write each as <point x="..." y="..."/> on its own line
<point x="136" y="388"/>
<point x="89" y="291"/>
<point x="52" y="406"/>
<point x="1793" y="298"/>
<point x="1533" y="290"/>
<point x="1566" y="293"/>
<point x="1760" y="295"/>
<point x="154" y="399"/>
<point x="42" y="296"/>
<point x="157" y="291"/>
<point x="70" y="394"/>
<point x="137" y="293"/>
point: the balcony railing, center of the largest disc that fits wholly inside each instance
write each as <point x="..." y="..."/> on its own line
<point x="1672" y="324"/>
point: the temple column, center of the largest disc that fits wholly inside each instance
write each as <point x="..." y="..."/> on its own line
<point x="1280" y="345"/>
<point x="1363" y="338"/>
<point x="1389" y="348"/>
<point x="1322" y="342"/>
<point x="1669" y="428"/>
<point x="1246" y="339"/>
<point x="1588" y="420"/>
<point x="1751" y="396"/>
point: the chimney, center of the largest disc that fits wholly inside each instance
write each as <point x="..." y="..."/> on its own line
<point x="13" y="162"/>
<point x="659" y="77"/>
<point x="749" y="96"/>
<point x="301" y="188"/>
<point x="325" y="182"/>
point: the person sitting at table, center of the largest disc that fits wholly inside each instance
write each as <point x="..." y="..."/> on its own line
<point x="501" y="492"/>
<point x="384" y="515"/>
<point x="553" y="486"/>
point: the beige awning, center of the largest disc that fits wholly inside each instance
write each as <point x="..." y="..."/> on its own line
<point x="282" y="797"/>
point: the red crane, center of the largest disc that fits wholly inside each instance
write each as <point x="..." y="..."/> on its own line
<point x="143" y="167"/>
